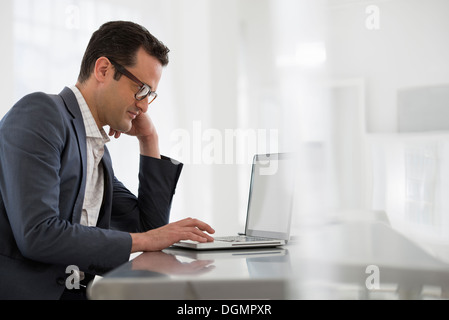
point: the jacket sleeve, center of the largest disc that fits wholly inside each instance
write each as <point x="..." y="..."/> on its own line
<point x="151" y="209"/>
<point x="33" y="136"/>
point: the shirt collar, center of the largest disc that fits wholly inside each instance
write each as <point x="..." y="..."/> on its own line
<point x="92" y="130"/>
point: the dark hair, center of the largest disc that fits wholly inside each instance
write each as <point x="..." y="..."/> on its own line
<point x="119" y="41"/>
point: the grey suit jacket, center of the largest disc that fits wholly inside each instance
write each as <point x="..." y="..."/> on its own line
<point x="42" y="185"/>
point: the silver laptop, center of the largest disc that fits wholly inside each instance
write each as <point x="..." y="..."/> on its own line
<point x="269" y="208"/>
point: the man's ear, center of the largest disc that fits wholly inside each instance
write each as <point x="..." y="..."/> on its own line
<point x="102" y="68"/>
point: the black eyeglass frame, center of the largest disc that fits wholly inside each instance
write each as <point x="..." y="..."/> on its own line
<point x="143" y="86"/>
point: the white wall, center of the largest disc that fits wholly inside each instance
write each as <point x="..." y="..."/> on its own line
<point x="406" y="49"/>
<point x="6" y="56"/>
<point x="409" y="49"/>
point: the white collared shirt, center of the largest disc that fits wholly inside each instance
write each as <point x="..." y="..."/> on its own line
<point x="95" y="141"/>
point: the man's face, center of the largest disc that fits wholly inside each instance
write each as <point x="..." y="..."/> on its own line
<point x="119" y="107"/>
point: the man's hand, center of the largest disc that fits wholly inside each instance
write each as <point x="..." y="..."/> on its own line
<point x="163" y="237"/>
<point x="145" y="131"/>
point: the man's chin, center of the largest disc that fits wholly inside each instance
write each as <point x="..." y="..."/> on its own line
<point x="123" y="129"/>
<point x="126" y="128"/>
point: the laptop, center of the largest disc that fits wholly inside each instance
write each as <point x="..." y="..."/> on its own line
<point x="269" y="207"/>
<point x="227" y="254"/>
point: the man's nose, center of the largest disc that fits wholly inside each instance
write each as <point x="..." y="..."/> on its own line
<point x="142" y="105"/>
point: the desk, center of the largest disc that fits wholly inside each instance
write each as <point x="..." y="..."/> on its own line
<point x="347" y="260"/>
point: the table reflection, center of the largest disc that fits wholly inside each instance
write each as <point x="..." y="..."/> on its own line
<point x="165" y="263"/>
<point x="253" y="263"/>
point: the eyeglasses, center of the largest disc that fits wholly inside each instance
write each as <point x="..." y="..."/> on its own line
<point x="144" y="91"/>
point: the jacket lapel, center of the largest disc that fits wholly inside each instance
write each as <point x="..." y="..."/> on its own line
<point x="78" y="125"/>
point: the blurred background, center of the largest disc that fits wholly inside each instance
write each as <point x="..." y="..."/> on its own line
<point x="359" y="89"/>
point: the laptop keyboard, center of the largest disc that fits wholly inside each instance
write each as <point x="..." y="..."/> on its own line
<point x="242" y="239"/>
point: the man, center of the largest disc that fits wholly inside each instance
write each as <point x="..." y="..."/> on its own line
<point x="60" y="203"/>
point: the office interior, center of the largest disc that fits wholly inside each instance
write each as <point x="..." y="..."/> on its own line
<point x="358" y="89"/>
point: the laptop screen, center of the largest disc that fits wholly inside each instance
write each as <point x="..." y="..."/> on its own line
<point x="271" y="196"/>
